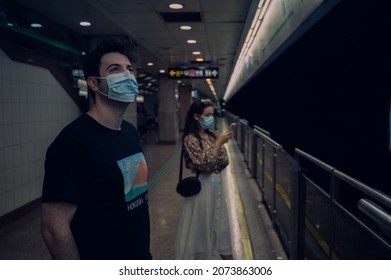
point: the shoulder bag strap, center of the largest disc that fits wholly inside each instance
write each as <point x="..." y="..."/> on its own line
<point x="181" y="163"/>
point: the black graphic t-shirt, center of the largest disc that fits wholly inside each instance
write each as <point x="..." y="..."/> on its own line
<point x="104" y="173"/>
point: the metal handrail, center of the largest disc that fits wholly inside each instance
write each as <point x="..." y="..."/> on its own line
<point x="377" y="214"/>
<point x="318" y="162"/>
<point x="268" y="139"/>
<point x="243" y="121"/>
<point x="264" y="131"/>
<point x="374" y="193"/>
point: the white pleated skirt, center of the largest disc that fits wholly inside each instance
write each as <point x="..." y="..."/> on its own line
<point x="203" y="230"/>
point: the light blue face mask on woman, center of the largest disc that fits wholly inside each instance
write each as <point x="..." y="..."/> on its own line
<point x="122" y="86"/>
<point x="208" y="122"/>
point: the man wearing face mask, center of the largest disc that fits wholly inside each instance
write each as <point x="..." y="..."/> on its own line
<point x="95" y="193"/>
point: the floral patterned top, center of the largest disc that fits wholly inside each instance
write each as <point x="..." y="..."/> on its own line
<point x="203" y="159"/>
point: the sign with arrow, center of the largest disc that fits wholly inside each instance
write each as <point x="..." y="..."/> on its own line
<point x="194" y="73"/>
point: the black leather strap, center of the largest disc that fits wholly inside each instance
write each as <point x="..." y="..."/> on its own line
<point x="181" y="163"/>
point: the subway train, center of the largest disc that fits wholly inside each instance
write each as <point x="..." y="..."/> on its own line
<point x="305" y="82"/>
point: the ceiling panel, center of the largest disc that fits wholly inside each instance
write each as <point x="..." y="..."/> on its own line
<point x="224" y="27"/>
<point x="126" y="6"/>
<point x="140" y="18"/>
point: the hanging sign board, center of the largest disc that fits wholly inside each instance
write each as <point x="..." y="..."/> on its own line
<point x="194" y="73"/>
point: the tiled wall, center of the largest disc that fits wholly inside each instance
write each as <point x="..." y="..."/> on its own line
<point x="33" y="110"/>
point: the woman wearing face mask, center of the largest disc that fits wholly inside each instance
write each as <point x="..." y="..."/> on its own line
<point x="203" y="231"/>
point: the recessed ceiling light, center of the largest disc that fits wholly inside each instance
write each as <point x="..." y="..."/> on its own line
<point x="199" y="59"/>
<point x="191" y="41"/>
<point x="185" y="27"/>
<point x="196" y="52"/>
<point x="176" y="6"/>
<point x="162" y="71"/>
<point x="150" y="64"/>
<point x="36" y="25"/>
<point x="85" y="23"/>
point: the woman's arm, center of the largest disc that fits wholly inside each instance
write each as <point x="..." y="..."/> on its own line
<point x="211" y="157"/>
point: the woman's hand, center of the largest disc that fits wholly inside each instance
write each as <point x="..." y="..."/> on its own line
<point x="222" y="138"/>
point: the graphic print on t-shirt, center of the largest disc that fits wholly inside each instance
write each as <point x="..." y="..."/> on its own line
<point x="135" y="172"/>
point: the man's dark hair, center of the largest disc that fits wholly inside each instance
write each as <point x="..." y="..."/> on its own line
<point x="120" y="45"/>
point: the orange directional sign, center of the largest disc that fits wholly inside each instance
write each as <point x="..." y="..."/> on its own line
<point x="194" y="73"/>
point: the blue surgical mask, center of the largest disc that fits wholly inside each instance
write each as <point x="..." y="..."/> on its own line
<point x="122" y="86"/>
<point x="208" y="122"/>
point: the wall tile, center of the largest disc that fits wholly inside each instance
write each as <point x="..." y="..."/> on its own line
<point x="33" y="109"/>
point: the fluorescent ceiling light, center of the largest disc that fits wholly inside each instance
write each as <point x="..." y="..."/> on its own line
<point x="85" y="23"/>
<point x="185" y="27"/>
<point x="176" y="6"/>
<point x="191" y="41"/>
<point x="36" y="25"/>
<point x="196" y="52"/>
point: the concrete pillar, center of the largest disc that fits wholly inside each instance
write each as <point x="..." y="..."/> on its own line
<point x="168" y="111"/>
<point x="184" y="103"/>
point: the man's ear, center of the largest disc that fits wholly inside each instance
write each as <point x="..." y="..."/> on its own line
<point x="92" y="83"/>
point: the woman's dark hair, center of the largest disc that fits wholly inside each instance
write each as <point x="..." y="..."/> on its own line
<point x="191" y="125"/>
<point x="120" y="45"/>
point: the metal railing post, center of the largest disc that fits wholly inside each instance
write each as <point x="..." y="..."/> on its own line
<point x="274" y="185"/>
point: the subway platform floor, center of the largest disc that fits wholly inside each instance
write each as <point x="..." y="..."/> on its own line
<point x="21" y="239"/>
